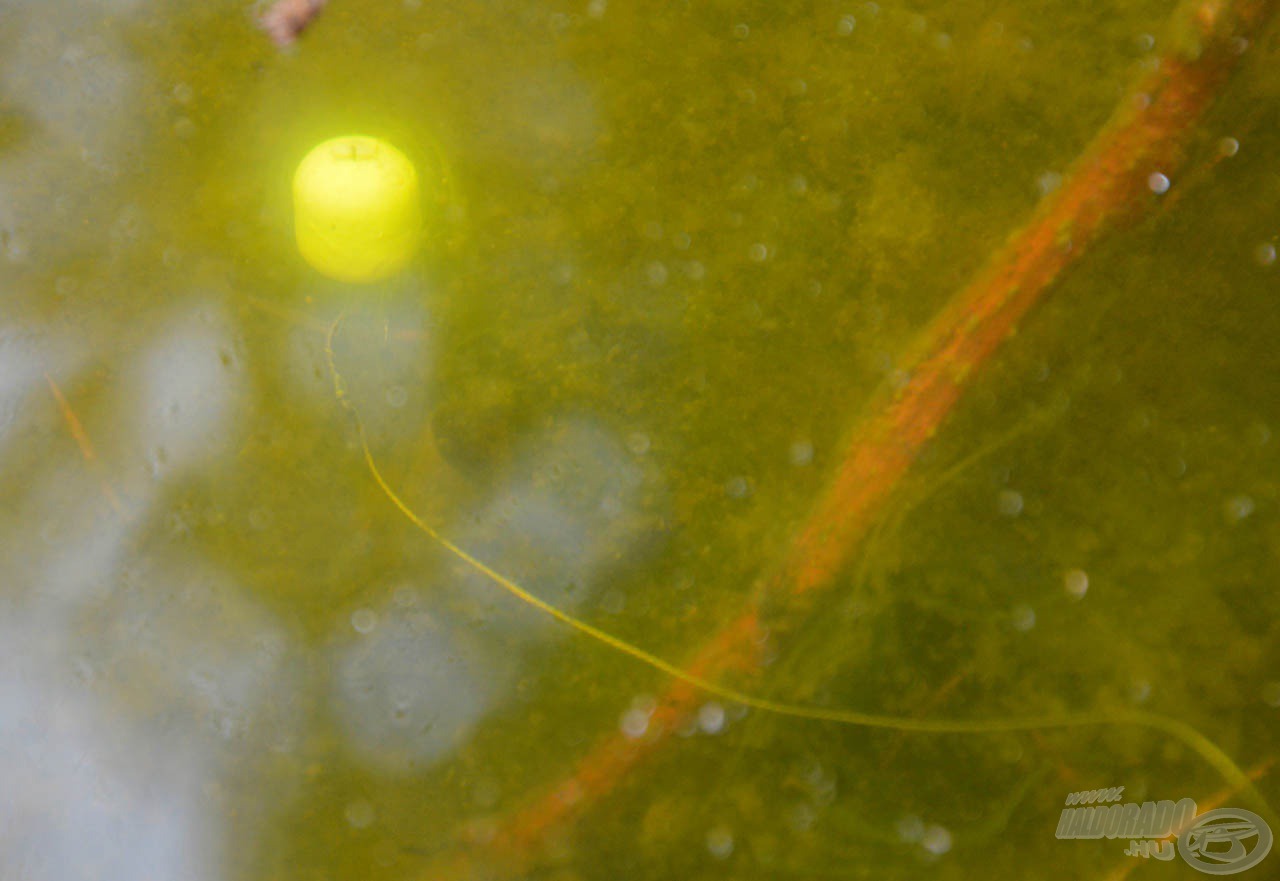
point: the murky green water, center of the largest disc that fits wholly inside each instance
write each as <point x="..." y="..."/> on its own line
<point x="677" y="248"/>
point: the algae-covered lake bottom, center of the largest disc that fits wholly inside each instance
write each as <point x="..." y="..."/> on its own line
<point x="676" y="254"/>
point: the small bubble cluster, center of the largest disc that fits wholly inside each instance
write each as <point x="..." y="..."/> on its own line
<point x="934" y="839"/>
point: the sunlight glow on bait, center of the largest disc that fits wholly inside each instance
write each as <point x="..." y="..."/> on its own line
<point x="357" y="209"/>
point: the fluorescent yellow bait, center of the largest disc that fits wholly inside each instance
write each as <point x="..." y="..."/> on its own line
<point x="357" y="209"/>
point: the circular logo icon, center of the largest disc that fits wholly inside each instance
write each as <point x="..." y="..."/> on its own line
<point x="1225" y="841"/>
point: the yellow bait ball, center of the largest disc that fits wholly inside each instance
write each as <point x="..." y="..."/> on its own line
<point x="357" y="210"/>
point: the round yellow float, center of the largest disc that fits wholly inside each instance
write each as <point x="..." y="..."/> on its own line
<point x="357" y="209"/>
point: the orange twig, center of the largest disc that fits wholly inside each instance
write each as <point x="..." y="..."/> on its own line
<point x="1111" y="183"/>
<point x="84" y="443"/>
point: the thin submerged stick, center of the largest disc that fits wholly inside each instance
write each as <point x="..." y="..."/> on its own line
<point x="1129" y="164"/>
<point x="87" y="451"/>
<point x="1122" y="172"/>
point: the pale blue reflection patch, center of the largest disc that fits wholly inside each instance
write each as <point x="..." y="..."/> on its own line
<point x="187" y="385"/>
<point x="409" y="690"/>
<point x="572" y="506"/>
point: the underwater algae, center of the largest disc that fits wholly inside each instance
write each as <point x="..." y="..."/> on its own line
<point x="773" y="278"/>
<point x="1118" y="177"/>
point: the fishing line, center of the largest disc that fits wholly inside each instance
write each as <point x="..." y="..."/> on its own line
<point x="1181" y="731"/>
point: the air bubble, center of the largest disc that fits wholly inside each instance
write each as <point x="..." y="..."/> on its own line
<point x="1024" y="618"/>
<point x="364" y="620"/>
<point x="1047" y="182"/>
<point x="1238" y="508"/>
<point x="634" y="723"/>
<point x="801" y="453"/>
<point x="720" y="842"/>
<point x="611" y="507"/>
<point x="1009" y="503"/>
<point x="1076" y="583"/>
<point x="910" y="829"/>
<point x="1158" y="183"/>
<point x="360" y="814"/>
<point x="397" y="396"/>
<point x="711" y="718"/>
<point x="936" y="840"/>
<point x="802" y="817"/>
